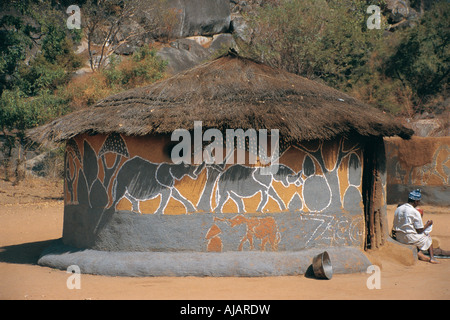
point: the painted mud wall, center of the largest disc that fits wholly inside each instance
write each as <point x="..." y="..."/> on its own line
<point x="124" y="194"/>
<point x="422" y="162"/>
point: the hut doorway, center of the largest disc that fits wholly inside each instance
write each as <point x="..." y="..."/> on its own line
<point x="373" y="193"/>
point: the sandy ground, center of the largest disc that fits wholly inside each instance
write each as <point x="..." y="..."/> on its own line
<point x="31" y="216"/>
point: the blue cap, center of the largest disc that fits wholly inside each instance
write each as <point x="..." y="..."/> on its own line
<point x="415" y="195"/>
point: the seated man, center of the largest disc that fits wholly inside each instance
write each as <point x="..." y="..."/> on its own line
<point x="409" y="228"/>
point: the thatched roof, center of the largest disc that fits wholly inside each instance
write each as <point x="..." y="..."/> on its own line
<point x="229" y="92"/>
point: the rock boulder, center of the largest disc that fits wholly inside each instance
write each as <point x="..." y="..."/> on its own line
<point x="201" y="17"/>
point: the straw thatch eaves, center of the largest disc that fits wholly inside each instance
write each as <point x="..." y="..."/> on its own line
<point x="229" y="92"/>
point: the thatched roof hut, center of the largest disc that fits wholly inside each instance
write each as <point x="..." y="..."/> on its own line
<point x="124" y="193"/>
<point x="230" y="91"/>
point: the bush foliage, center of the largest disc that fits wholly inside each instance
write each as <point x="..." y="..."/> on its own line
<point x="37" y="65"/>
<point x="399" y="72"/>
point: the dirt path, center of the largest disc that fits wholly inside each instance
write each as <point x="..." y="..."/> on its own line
<point x="29" y="220"/>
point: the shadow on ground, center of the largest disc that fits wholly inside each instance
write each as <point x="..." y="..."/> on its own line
<point x="25" y="253"/>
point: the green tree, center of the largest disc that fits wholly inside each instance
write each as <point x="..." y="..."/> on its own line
<point x="18" y="113"/>
<point x="104" y="21"/>
<point x="321" y="39"/>
<point x="57" y="48"/>
<point x="15" y="40"/>
<point x="28" y="80"/>
<point x="422" y="59"/>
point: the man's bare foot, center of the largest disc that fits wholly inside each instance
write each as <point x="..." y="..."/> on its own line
<point x="434" y="261"/>
<point x="423" y="257"/>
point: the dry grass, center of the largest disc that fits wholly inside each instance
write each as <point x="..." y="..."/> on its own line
<point x="229" y="92"/>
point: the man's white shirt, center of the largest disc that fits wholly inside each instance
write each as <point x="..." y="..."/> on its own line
<point x="407" y="219"/>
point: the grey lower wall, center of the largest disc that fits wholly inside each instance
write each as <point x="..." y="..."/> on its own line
<point x="287" y="231"/>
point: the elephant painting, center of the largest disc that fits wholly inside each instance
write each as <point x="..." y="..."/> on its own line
<point x="140" y="180"/>
<point x="239" y="182"/>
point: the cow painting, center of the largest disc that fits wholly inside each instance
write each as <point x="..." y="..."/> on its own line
<point x="140" y="180"/>
<point x="239" y="182"/>
<point x="262" y="229"/>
